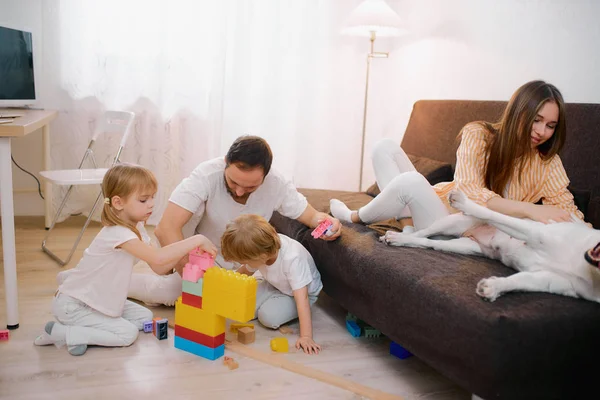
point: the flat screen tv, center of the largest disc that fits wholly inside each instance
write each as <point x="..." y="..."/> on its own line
<point x="17" y="83"/>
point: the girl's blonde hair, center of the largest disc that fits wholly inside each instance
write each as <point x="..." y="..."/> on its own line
<point x="124" y="180"/>
<point x="248" y="237"/>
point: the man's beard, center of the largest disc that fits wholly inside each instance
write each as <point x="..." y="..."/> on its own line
<point x="243" y="197"/>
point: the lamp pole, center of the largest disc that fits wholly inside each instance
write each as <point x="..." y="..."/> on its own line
<point x="372" y="54"/>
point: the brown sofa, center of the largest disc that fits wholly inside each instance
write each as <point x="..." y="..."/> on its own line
<point x="524" y="345"/>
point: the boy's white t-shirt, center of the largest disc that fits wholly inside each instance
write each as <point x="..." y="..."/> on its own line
<point x="293" y="269"/>
<point x="204" y="193"/>
<point x="101" y="279"/>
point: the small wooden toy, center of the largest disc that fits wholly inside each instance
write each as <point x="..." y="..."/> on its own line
<point x="280" y="345"/>
<point x="230" y="362"/>
<point x="286" y="330"/>
<point x="246" y="335"/>
<point x="322" y="229"/>
<point x="148" y="326"/>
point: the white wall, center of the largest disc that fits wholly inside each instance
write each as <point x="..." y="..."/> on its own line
<point x="27" y="151"/>
<point x="461" y="49"/>
<point x="484" y="50"/>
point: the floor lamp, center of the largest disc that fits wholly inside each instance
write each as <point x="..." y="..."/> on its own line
<point x="372" y="18"/>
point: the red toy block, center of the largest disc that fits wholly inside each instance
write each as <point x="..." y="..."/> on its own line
<point x="200" y="338"/>
<point x="191" y="300"/>
<point x="4" y="335"/>
<point x="321" y="229"/>
<point x="192" y="272"/>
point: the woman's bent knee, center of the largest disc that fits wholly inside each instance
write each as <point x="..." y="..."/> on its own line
<point x="384" y="148"/>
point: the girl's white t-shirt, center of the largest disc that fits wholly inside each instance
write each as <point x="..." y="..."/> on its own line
<point x="101" y="279"/>
<point x="293" y="269"/>
<point x="204" y="194"/>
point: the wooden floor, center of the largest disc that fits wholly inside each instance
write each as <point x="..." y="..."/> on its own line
<point x="151" y="367"/>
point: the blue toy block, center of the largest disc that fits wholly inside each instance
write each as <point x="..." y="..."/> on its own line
<point x="148" y="326"/>
<point x="353" y="328"/>
<point x="199" y="349"/>
<point x="399" y="351"/>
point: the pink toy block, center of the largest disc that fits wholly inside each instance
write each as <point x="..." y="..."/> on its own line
<point x="321" y="229"/>
<point x="201" y="259"/>
<point x="192" y="272"/>
<point x="4" y="336"/>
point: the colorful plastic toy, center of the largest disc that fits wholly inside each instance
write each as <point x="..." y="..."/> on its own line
<point x="399" y="351"/>
<point x="4" y="335"/>
<point x="148" y="326"/>
<point x="353" y="328"/>
<point x="322" y="229"/>
<point x="280" y="345"/>
<point x="192" y="272"/>
<point x="201" y="259"/>
<point x="201" y="310"/>
<point x="162" y="329"/>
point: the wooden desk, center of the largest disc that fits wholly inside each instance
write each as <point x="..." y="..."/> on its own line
<point x="21" y="126"/>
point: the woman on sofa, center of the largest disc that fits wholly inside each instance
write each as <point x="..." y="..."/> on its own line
<point x="508" y="166"/>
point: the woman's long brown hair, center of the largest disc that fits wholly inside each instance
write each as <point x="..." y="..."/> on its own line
<point x="510" y="142"/>
<point x="124" y="180"/>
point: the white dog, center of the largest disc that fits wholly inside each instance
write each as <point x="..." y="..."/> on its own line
<point x="561" y="258"/>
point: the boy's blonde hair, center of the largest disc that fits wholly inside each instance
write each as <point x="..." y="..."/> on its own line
<point x="124" y="180"/>
<point x="249" y="237"/>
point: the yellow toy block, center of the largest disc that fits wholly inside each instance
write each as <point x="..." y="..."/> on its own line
<point x="229" y="293"/>
<point x="280" y="345"/>
<point x="234" y="327"/>
<point x="198" y="320"/>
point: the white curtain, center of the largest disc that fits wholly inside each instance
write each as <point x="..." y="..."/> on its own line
<point x="198" y="74"/>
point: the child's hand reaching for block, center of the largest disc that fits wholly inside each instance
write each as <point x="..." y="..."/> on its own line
<point x="308" y="345"/>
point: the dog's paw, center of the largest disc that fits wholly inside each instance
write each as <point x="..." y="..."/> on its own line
<point x="489" y="288"/>
<point x="393" y="238"/>
<point x="458" y="199"/>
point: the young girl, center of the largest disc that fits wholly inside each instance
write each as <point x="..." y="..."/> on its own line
<point x="291" y="281"/>
<point x="91" y="304"/>
<point x="508" y="166"/>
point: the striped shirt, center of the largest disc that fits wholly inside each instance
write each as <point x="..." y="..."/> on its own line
<point x="540" y="180"/>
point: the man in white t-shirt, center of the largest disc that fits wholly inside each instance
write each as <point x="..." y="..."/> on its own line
<point x="215" y="193"/>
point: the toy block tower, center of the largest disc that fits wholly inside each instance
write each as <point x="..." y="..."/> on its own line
<point x="209" y="295"/>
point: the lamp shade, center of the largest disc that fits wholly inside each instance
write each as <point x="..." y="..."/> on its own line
<point x="373" y="16"/>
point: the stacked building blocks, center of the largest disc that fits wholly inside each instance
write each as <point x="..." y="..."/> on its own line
<point x="148" y="326"/>
<point x="4" y="335"/>
<point x="399" y="351"/>
<point x="322" y="229"/>
<point x="229" y="294"/>
<point x="207" y="299"/>
<point x="246" y="335"/>
<point x="280" y="345"/>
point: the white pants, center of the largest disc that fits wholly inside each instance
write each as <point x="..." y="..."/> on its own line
<point x="274" y="308"/>
<point x="404" y="192"/>
<point x="155" y="289"/>
<point x="84" y="325"/>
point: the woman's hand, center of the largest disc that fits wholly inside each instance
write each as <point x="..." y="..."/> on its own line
<point x="308" y="345"/>
<point x="547" y="214"/>
<point x="206" y="245"/>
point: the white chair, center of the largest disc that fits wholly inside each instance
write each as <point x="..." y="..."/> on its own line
<point x="118" y="122"/>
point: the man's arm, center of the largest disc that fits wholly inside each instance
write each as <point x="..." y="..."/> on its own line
<point x="170" y="229"/>
<point x="312" y="218"/>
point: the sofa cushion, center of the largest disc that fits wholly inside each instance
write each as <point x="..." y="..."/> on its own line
<point x="434" y="171"/>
